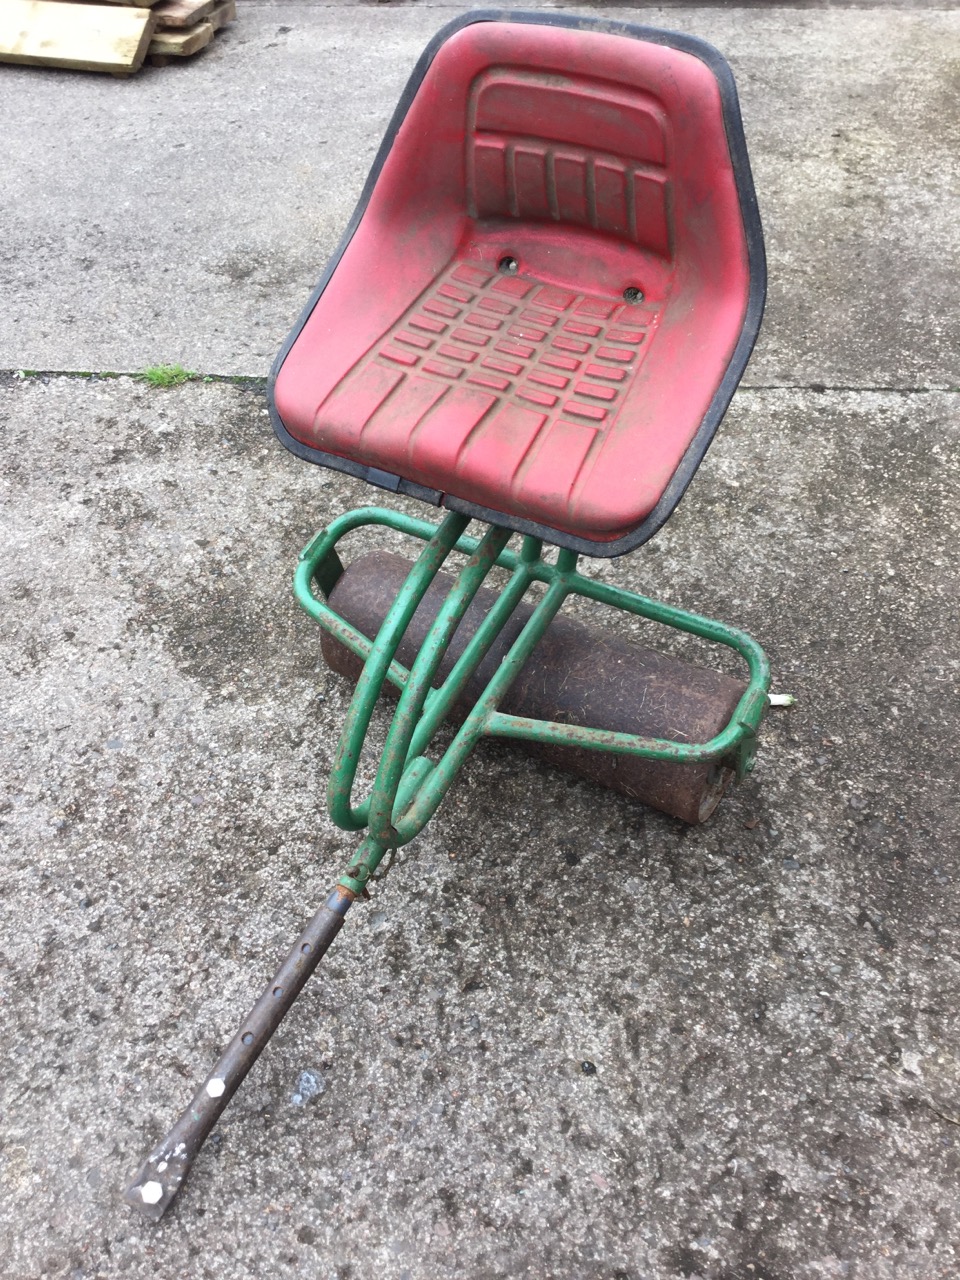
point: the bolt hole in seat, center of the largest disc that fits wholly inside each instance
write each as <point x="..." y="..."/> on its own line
<point x="550" y="288"/>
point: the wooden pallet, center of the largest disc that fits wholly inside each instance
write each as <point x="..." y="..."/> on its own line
<point x="196" y="23"/>
<point x="180" y="13"/>
<point x="108" y="35"/>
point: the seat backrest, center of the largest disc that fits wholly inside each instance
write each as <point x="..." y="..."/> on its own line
<point x="585" y="152"/>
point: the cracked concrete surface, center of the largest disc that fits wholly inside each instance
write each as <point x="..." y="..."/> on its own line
<point x="568" y="1037"/>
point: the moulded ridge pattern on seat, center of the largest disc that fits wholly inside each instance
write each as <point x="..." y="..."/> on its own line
<point x="492" y="385"/>
<point x="571" y="150"/>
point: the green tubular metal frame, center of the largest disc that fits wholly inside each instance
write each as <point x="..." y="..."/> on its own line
<point x="409" y="787"/>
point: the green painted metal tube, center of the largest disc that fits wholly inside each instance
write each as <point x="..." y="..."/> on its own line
<point x="374" y="673"/>
<point x="396" y="749"/>
<point x="436" y="786"/>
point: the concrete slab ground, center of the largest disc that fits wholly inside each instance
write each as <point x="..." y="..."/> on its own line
<point x="770" y="1002"/>
<point x="185" y="214"/>
<point x="569" y="1037"/>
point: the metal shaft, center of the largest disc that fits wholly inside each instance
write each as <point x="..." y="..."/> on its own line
<point x="165" y="1169"/>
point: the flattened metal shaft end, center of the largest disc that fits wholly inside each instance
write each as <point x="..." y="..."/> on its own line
<point x="156" y="1183"/>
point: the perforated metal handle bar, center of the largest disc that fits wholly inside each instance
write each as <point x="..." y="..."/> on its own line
<point x="165" y="1169"/>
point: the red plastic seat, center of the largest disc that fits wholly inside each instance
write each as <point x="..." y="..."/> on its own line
<point x="551" y="286"/>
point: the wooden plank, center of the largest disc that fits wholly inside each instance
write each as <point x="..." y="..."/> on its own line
<point x="223" y="12"/>
<point x="182" y="13"/>
<point x="132" y="4"/>
<point x="180" y="44"/>
<point x="85" y="37"/>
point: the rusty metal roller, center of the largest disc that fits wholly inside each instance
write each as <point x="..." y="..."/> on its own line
<point x="576" y="675"/>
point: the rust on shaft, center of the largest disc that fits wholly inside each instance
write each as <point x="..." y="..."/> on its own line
<point x="165" y="1169"/>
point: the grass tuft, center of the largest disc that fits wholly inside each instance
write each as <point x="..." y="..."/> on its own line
<point x="166" y="375"/>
